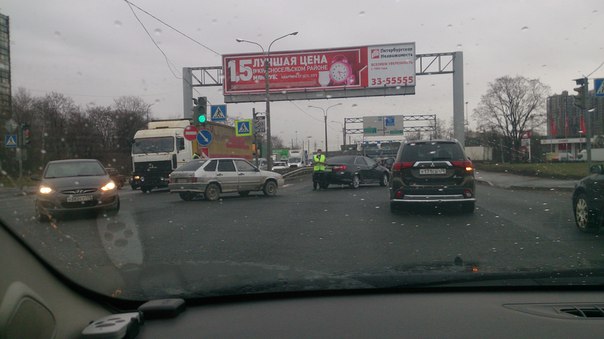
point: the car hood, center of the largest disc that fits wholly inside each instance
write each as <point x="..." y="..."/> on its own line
<point x="271" y="174"/>
<point x="76" y="182"/>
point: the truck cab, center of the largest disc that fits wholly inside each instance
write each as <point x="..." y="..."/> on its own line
<point x="157" y="151"/>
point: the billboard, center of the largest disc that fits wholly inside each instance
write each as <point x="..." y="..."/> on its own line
<point x="322" y="73"/>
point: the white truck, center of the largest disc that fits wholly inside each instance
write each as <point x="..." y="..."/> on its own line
<point x="597" y="154"/>
<point x="162" y="147"/>
<point x="296" y="158"/>
<point x="157" y="151"/>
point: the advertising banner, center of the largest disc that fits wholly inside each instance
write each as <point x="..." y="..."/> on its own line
<point x="377" y="66"/>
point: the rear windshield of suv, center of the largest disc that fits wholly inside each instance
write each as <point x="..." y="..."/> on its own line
<point x="431" y="151"/>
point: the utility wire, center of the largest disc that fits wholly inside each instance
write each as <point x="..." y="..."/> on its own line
<point x="303" y="111"/>
<point x="168" y="25"/>
<point x="602" y="64"/>
<point x="168" y="62"/>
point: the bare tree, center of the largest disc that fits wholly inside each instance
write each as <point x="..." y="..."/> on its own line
<point x="511" y="106"/>
<point x="442" y="130"/>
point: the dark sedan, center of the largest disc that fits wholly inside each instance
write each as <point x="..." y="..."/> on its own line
<point x="588" y="201"/>
<point x="354" y="170"/>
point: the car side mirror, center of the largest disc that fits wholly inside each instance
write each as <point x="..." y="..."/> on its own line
<point x="596" y="169"/>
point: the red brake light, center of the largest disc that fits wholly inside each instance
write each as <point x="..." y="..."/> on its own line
<point x="466" y="165"/>
<point x="397" y="166"/>
<point x="339" y="168"/>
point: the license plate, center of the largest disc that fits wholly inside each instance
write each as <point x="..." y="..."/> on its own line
<point x="79" y="198"/>
<point x="432" y="171"/>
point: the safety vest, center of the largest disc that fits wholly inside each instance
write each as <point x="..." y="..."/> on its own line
<point x="319" y="162"/>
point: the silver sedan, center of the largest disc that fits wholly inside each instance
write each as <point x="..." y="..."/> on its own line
<point x="211" y="177"/>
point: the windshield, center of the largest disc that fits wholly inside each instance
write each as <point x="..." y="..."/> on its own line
<point x="458" y="140"/>
<point x="153" y="145"/>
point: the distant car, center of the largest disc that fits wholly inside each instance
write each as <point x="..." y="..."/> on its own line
<point x="68" y="186"/>
<point x="432" y="172"/>
<point x="277" y="165"/>
<point x="295" y="162"/>
<point x="588" y="200"/>
<point x="354" y="170"/>
<point x="212" y="177"/>
<point x="119" y="179"/>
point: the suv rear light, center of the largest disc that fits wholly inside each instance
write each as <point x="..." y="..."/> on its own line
<point x="340" y="168"/>
<point x="466" y="165"/>
<point x="467" y="193"/>
<point x="397" y="166"/>
<point x="399" y="194"/>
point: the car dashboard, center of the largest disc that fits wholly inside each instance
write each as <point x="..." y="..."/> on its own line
<point x="37" y="302"/>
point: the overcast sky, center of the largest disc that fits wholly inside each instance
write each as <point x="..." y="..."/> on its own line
<point x="96" y="50"/>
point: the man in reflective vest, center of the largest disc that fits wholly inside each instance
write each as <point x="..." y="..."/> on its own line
<point x="318" y="174"/>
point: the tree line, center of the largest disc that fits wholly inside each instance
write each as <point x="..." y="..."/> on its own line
<point x="60" y="129"/>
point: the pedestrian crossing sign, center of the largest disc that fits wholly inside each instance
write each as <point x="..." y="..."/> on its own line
<point x="599" y="85"/>
<point x="218" y="112"/>
<point x="10" y="141"/>
<point x="243" y="128"/>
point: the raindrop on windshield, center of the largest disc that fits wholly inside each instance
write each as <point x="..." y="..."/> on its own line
<point x="524" y="28"/>
<point x="57" y="34"/>
<point x="361" y="13"/>
<point x="117" y="23"/>
<point x="157" y="31"/>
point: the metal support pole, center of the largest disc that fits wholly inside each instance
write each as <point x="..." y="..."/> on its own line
<point x="187" y="90"/>
<point x="325" y="118"/>
<point x="458" y="101"/>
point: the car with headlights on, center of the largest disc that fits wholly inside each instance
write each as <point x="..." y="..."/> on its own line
<point x="354" y="170"/>
<point x="432" y="172"/>
<point x="212" y="177"/>
<point x="75" y="185"/>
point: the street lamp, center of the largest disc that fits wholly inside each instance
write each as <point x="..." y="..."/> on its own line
<point x="325" y="118"/>
<point x="269" y="146"/>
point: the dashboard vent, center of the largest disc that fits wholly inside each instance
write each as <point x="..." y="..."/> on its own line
<point x="592" y="311"/>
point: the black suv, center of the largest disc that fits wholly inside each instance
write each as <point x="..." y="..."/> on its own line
<point x="432" y="172"/>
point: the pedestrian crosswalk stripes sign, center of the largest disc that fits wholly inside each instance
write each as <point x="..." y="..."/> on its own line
<point x="10" y="141"/>
<point x="218" y="112"/>
<point x="599" y="86"/>
<point x="243" y="128"/>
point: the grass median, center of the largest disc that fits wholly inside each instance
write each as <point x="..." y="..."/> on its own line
<point x="560" y="170"/>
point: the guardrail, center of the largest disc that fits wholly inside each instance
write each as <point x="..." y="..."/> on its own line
<point x="295" y="172"/>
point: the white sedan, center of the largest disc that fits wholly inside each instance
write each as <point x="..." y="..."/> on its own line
<point x="211" y="177"/>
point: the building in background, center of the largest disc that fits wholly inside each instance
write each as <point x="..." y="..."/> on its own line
<point x="5" y="82"/>
<point x="566" y="125"/>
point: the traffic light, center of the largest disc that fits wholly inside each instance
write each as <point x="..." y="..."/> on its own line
<point x="200" y="111"/>
<point x="581" y="97"/>
<point x="25" y="134"/>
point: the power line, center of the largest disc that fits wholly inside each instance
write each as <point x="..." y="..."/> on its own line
<point x="168" y="62"/>
<point x="602" y="64"/>
<point x="303" y="111"/>
<point x="168" y="25"/>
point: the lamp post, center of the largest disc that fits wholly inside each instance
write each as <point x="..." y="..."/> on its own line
<point x="325" y="119"/>
<point x="269" y="146"/>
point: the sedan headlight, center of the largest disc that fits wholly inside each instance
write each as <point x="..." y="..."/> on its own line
<point x="108" y="187"/>
<point x="45" y="189"/>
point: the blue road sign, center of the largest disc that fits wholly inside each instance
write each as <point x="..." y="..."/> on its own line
<point x="218" y="112"/>
<point x="599" y="87"/>
<point x="204" y="137"/>
<point x="10" y="141"/>
<point x="388" y="121"/>
<point x="243" y="128"/>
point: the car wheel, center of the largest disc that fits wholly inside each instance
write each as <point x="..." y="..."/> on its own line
<point x="385" y="179"/>
<point x="145" y="189"/>
<point x="270" y="188"/>
<point x="468" y="207"/>
<point x="356" y="182"/>
<point x="212" y="192"/>
<point x="585" y="221"/>
<point x="186" y="196"/>
<point x="244" y="193"/>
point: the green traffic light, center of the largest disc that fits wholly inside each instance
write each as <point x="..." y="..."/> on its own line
<point x="202" y="119"/>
